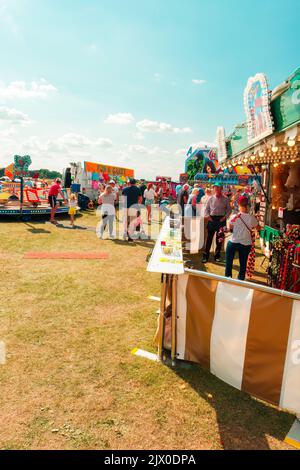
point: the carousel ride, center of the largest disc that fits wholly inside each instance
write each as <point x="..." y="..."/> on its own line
<point x="23" y="196"/>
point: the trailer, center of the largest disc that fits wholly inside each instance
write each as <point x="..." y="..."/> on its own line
<point x="90" y="175"/>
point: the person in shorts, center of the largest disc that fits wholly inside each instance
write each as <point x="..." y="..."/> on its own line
<point x="149" y="196"/>
<point x="54" y="191"/>
<point x="132" y="197"/>
<point x="72" y="208"/>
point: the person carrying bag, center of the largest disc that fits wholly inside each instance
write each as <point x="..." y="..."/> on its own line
<point x="242" y="226"/>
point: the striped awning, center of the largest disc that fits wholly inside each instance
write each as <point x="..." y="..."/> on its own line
<point x="247" y="337"/>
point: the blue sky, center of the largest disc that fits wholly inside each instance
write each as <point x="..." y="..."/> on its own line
<point x="133" y="82"/>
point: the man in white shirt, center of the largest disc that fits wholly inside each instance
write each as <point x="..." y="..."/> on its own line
<point x="217" y="211"/>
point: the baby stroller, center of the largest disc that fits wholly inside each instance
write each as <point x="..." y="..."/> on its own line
<point x="139" y="231"/>
<point x="137" y="227"/>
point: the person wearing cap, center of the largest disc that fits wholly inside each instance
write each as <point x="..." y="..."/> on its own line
<point x="217" y="211"/>
<point x="242" y="226"/>
<point x="178" y="189"/>
<point x="54" y="191"/>
<point x="132" y="196"/>
<point x="115" y="189"/>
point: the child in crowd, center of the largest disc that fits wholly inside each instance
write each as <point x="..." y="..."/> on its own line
<point x="72" y="208"/>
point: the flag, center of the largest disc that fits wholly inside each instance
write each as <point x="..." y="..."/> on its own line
<point x="9" y="171"/>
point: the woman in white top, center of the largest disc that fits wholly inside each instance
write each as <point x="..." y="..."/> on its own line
<point x="242" y="225"/>
<point x="107" y="201"/>
<point x="149" y="195"/>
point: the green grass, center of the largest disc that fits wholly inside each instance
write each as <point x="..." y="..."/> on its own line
<point x="71" y="382"/>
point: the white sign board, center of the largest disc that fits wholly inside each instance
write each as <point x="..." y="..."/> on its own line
<point x="167" y="255"/>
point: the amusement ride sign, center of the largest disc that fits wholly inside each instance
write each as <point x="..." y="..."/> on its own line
<point x="221" y="142"/>
<point x="257" y="106"/>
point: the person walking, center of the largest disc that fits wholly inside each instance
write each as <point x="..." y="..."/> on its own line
<point x="132" y="197"/>
<point x="217" y="212"/>
<point x="183" y="198"/>
<point x="149" y="196"/>
<point x="159" y="193"/>
<point x="54" y="191"/>
<point x="191" y="208"/>
<point x="108" y="211"/>
<point x="143" y="188"/>
<point x="115" y="189"/>
<point x="242" y="226"/>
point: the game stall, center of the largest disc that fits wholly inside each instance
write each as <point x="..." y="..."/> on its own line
<point x="87" y="178"/>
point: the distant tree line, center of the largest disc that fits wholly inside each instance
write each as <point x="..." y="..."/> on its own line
<point x="45" y="174"/>
<point x="42" y="173"/>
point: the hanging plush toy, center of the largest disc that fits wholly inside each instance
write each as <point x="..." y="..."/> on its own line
<point x="251" y="259"/>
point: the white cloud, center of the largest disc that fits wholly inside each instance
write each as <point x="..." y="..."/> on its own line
<point x="21" y="90"/>
<point x="120" y="118"/>
<point x="5" y="131"/>
<point x="57" y="153"/>
<point x="198" y="81"/>
<point x="141" y="149"/>
<point x="154" y="126"/>
<point x="138" y="136"/>
<point x="13" y="117"/>
<point x="68" y="144"/>
<point x="181" y="152"/>
<point x="203" y="143"/>
<point x="81" y="141"/>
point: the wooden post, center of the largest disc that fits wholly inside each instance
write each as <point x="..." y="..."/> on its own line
<point x="21" y="194"/>
<point x="174" y="319"/>
<point x="161" y="329"/>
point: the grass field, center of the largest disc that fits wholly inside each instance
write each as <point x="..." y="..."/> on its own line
<point x="70" y="380"/>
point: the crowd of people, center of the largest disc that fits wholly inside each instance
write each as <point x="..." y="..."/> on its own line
<point x="222" y="212"/>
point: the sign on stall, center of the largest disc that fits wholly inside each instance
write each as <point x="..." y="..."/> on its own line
<point x="167" y="255"/>
<point x="257" y="106"/>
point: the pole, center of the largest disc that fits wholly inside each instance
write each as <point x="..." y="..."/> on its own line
<point x="21" y="194"/>
<point x="174" y="319"/>
<point x="247" y="284"/>
<point x="161" y="328"/>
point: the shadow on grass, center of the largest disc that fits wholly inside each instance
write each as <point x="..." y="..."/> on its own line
<point x="36" y="231"/>
<point x="243" y="421"/>
<point x="76" y="227"/>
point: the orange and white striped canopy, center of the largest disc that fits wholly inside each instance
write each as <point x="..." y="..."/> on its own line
<point x="248" y="338"/>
